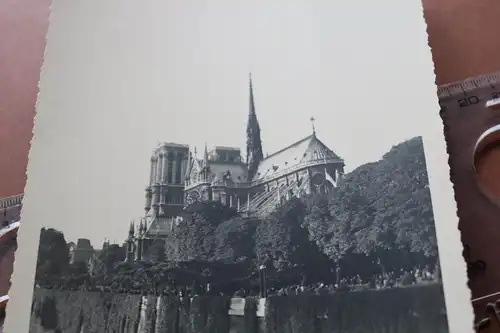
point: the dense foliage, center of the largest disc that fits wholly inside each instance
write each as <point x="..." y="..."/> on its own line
<point x="379" y="218"/>
<point x="382" y="210"/>
<point x="53" y="254"/>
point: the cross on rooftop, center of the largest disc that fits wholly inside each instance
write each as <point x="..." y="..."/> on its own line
<point x="312" y="122"/>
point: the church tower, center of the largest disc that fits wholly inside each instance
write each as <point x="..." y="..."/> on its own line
<point x="139" y="242"/>
<point x="130" y="244"/>
<point x="254" y="143"/>
<point x="164" y="194"/>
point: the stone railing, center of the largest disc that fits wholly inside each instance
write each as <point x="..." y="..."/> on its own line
<point x="12" y="201"/>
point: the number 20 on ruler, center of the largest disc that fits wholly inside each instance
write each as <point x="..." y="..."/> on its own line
<point x="468" y="100"/>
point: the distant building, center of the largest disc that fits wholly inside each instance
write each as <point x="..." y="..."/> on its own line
<point x="94" y="263"/>
<point x="82" y="251"/>
<point x="254" y="185"/>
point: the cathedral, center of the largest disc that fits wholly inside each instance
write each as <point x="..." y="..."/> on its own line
<point x="254" y="185"/>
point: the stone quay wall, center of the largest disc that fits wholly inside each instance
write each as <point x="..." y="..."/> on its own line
<point x="417" y="309"/>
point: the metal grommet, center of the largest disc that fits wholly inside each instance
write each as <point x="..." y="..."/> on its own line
<point x="486" y="163"/>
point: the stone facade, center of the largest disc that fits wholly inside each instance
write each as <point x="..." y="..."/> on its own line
<point x="180" y="177"/>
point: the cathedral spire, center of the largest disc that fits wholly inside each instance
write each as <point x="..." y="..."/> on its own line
<point x="131" y="229"/>
<point x="204" y="165"/>
<point x="141" y="228"/>
<point x="254" y="143"/>
<point x="189" y="164"/>
<point x="252" y="101"/>
<point x="205" y="156"/>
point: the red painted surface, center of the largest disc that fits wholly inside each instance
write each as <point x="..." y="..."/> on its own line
<point x="23" y="27"/>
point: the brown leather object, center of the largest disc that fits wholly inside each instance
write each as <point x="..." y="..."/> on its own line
<point x="463" y="35"/>
<point x="23" y="26"/>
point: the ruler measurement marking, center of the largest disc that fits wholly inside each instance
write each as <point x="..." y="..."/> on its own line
<point x="483" y="88"/>
<point x="469" y="92"/>
<point x="463" y="90"/>
<point x="492" y="86"/>
<point x="468" y="85"/>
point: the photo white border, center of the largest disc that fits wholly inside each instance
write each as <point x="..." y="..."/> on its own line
<point x="457" y="295"/>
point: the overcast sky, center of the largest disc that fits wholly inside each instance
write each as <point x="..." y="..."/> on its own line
<point x="122" y="75"/>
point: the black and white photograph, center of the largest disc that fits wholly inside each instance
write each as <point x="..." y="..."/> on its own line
<point x="242" y="167"/>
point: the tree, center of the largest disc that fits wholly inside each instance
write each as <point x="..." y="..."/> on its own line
<point x="53" y="254"/>
<point x="110" y="256"/>
<point x="331" y="235"/>
<point x="234" y="239"/>
<point x="75" y="276"/>
<point x="194" y="237"/>
<point x="78" y="268"/>
<point x="381" y="210"/>
<point x="399" y="191"/>
<point x="408" y="187"/>
<point x="214" y="212"/>
<point x="282" y="241"/>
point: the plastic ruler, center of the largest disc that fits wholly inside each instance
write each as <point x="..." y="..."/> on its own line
<point x="469" y="109"/>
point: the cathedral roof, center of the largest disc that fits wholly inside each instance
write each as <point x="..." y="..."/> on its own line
<point x="306" y="150"/>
